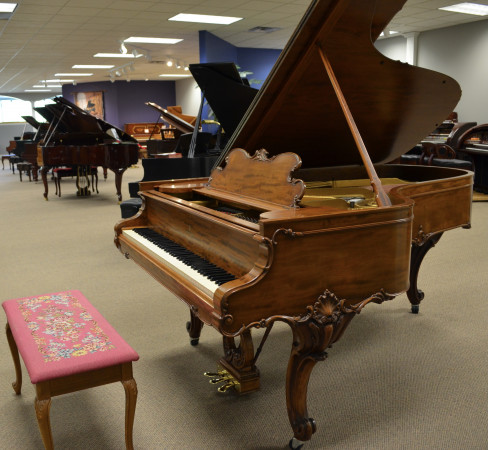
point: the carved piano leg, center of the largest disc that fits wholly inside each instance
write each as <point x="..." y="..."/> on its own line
<point x="44" y="171"/>
<point x="419" y="251"/>
<point x="239" y="363"/>
<point x="118" y="181"/>
<point x="194" y="327"/>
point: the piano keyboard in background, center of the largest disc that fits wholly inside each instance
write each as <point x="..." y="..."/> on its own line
<point x="206" y="275"/>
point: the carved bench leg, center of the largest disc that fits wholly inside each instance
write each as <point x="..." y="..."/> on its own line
<point x="130" y="387"/>
<point x="42" y="413"/>
<point x="419" y="251"/>
<point x="17" y="384"/>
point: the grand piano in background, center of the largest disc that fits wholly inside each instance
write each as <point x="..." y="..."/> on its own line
<point x="84" y="141"/>
<point x="473" y="144"/>
<point x="229" y="96"/>
<point x="26" y="147"/>
<point x="314" y="226"/>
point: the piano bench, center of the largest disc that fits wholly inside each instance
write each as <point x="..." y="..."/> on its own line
<point x="62" y="172"/>
<point x="129" y="208"/>
<point x="24" y="167"/>
<point x="67" y="346"/>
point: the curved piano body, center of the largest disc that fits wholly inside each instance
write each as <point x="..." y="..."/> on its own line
<point x="311" y="228"/>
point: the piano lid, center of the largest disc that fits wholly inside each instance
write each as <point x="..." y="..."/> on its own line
<point x="393" y="104"/>
<point x="172" y="119"/>
<point x="225" y="91"/>
<point x="32" y="121"/>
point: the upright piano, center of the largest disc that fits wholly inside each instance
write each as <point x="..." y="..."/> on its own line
<point x="84" y="141"/>
<point x="312" y="227"/>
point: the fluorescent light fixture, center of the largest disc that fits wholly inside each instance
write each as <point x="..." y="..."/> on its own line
<point x="203" y="18"/>
<point x="150" y="40"/>
<point x="48" y="86"/>
<point x="115" y="55"/>
<point x="174" y="75"/>
<point x="37" y="90"/>
<point x="56" y="81"/>
<point x="7" y="7"/>
<point x="93" y="66"/>
<point x="468" y="8"/>
<point x="73" y="74"/>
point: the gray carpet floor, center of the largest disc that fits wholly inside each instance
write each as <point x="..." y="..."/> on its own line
<point x="394" y="381"/>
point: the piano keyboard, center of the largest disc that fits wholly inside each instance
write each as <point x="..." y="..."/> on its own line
<point x="206" y="275"/>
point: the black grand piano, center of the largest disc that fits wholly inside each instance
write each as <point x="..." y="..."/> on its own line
<point x="78" y="139"/>
<point x="229" y="96"/>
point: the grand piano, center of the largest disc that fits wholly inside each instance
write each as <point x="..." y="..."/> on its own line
<point x="84" y="141"/>
<point x="313" y="226"/>
<point x="228" y="96"/>
<point x="473" y="145"/>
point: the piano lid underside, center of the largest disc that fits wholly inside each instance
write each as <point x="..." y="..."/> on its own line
<point x="394" y="105"/>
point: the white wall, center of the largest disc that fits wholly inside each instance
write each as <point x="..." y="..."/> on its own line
<point x="460" y="52"/>
<point x="188" y="96"/>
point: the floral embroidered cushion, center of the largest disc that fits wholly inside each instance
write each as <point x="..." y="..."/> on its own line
<point x="61" y="334"/>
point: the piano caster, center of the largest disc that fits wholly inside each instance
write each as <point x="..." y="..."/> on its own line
<point x="415" y="309"/>
<point x="295" y="444"/>
<point x="194" y="342"/>
<point x="222" y="376"/>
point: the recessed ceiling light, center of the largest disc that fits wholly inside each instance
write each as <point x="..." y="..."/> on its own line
<point x="150" y="40"/>
<point x="468" y="8"/>
<point x="73" y="74"/>
<point x="93" y="66"/>
<point x="7" y="7"/>
<point x="203" y="18"/>
<point x="116" y="55"/>
<point x="176" y="75"/>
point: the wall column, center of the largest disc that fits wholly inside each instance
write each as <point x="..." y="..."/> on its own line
<point x="411" y="48"/>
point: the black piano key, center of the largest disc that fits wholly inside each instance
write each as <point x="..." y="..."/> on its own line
<point x="201" y="265"/>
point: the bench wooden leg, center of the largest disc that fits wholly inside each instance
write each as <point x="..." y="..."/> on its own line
<point x="17" y="384"/>
<point x="42" y="413"/>
<point x="130" y="387"/>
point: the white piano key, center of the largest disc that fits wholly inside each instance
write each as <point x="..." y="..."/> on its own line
<point x="206" y="285"/>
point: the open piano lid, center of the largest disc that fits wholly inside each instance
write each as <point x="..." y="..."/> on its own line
<point x="393" y="104"/>
<point x="225" y="91"/>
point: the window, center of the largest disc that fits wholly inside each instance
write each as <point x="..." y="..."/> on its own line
<point x="12" y="109"/>
<point x="38" y="104"/>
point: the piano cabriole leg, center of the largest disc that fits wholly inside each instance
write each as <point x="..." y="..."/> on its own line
<point x="419" y="251"/>
<point x="322" y="325"/>
<point x="194" y="327"/>
<point x="44" y="172"/>
<point x="239" y="362"/>
<point x="118" y="181"/>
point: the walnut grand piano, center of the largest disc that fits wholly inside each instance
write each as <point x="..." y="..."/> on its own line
<point x="311" y="228"/>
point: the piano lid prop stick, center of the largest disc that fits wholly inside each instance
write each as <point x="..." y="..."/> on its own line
<point x="193" y="143"/>
<point x="381" y="197"/>
<point x="55" y="128"/>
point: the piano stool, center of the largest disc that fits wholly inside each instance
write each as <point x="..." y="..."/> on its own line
<point x="62" y="172"/>
<point x="67" y="346"/>
<point x="129" y="208"/>
<point x="25" y="167"/>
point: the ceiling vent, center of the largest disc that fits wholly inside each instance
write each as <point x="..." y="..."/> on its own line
<point x="263" y="29"/>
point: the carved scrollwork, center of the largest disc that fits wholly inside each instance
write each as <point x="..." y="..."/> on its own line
<point x="261" y="155"/>
<point x="421" y="237"/>
<point x="287" y="232"/>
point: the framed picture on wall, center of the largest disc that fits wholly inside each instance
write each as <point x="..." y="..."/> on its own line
<point x="91" y="102"/>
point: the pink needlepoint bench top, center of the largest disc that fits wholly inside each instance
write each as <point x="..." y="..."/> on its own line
<point x="62" y="334"/>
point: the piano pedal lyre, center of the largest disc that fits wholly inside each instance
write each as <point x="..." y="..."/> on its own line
<point x="223" y="376"/>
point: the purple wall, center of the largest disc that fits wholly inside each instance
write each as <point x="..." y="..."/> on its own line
<point x="256" y="60"/>
<point x="125" y="102"/>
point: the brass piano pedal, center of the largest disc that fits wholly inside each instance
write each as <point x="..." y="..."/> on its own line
<point x="222" y="376"/>
<point x="231" y="384"/>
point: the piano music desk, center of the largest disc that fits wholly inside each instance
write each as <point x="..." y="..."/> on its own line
<point x="84" y="352"/>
